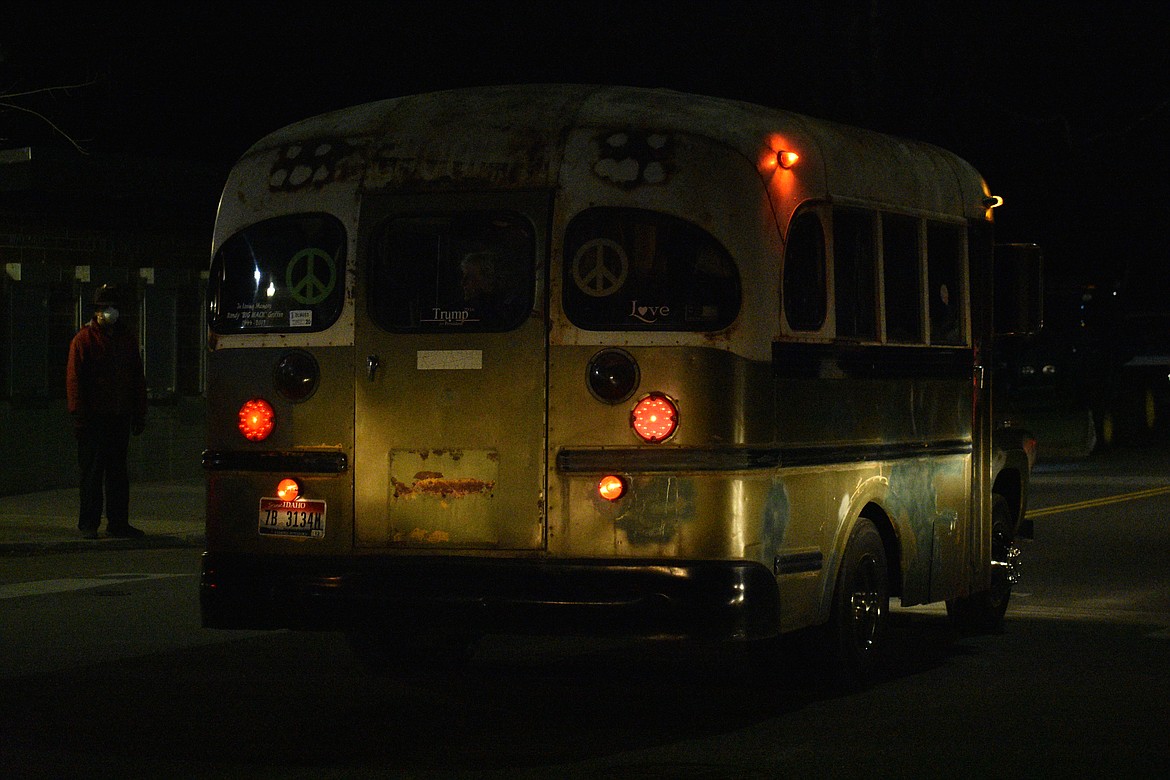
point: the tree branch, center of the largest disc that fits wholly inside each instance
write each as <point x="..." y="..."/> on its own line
<point x="43" y="118"/>
<point x="7" y="97"/>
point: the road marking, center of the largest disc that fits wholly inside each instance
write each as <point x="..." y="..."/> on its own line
<point x="1096" y="502"/>
<point x="1087" y="613"/>
<point x="1079" y="614"/>
<point x="45" y="587"/>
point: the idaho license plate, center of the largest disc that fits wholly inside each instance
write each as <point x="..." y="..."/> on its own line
<point x="301" y="518"/>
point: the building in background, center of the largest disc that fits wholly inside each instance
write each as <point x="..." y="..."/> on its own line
<point x="70" y="223"/>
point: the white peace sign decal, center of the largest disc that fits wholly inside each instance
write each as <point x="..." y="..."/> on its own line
<point x="600" y="267"/>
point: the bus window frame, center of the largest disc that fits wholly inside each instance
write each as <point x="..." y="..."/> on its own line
<point x="376" y="257"/>
<point x="661" y="219"/>
<point x="885" y="221"/>
<point x="962" y="281"/>
<point x="819" y="211"/>
<point x="338" y="293"/>
<point x="871" y="216"/>
<point x="923" y="224"/>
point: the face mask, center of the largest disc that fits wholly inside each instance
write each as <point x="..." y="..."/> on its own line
<point x="107" y="316"/>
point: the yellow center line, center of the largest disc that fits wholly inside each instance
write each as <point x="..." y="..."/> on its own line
<point x="1096" y="502"/>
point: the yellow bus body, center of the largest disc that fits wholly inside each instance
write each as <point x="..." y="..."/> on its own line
<point x="458" y="470"/>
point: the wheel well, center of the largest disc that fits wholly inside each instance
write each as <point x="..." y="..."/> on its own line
<point x="876" y="515"/>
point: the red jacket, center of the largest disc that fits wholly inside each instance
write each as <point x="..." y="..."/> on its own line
<point x="104" y="374"/>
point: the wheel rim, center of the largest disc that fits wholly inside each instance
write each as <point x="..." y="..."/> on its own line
<point x="865" y="604"/>
<point x="1004" y="565"/>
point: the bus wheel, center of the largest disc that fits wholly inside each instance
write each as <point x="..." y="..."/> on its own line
<point x="860" y="609"/>
<point x="982" y="612"/>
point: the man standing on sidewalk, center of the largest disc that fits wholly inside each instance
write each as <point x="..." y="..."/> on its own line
<point x="106" y="387"/>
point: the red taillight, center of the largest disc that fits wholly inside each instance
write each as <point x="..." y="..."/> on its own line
<point x="611" y="488"/>
<point x="256" y="419"/>
<point x="655" y="418"/>
<point x="288" y="490"/>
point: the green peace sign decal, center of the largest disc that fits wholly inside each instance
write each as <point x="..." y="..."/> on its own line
<point x="307" y="282"/>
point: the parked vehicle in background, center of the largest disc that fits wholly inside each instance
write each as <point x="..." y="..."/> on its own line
<point x="1097" y="374"/>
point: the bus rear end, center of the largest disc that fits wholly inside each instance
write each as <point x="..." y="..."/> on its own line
<point x="462" y="384"/>
<point x="377" y="384"/>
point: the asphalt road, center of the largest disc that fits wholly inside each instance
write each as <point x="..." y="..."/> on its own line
<point x="104" y="671"/>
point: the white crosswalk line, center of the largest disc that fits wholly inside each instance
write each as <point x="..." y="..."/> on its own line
<point x="67" y="584"/>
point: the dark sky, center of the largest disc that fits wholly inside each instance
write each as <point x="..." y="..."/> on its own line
<point x="1063" y="106"/>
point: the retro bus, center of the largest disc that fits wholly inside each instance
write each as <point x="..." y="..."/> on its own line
<point x="591" y="360"/>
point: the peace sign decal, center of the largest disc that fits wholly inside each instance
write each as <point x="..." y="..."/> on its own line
<point x="600" y="267"/>
<point x="307" y="281"/>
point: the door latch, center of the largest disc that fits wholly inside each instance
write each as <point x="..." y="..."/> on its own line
<point x="372" y="364"/>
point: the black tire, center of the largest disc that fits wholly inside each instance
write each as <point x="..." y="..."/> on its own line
<point x="983" y="612"/>
<point x="1131" y="418"/>
<point x="1106" y="430"/>
<point x="860" y="610"/>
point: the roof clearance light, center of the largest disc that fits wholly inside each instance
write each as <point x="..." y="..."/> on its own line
<point x="786" y="159"/>
<point x="611" y="488"/>
<point x="655" y="418"/>
<point x="288" y="490"/>
<point x="256" y="419"/>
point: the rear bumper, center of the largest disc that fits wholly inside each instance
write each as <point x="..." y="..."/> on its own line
<point x="710" y="599"/>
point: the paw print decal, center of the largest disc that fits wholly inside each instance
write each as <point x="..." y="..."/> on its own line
<point x="634" y="158"/>
<point x="308" y="165"/>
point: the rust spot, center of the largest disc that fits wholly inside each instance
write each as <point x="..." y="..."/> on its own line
<point x="434" y="537"/>
<point x="427" y="475"/>
<point x="401" y="489"/>
<point x="437" y="487"/>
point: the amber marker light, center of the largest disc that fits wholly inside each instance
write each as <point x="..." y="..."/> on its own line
<point x="256" y="419"/>
<point x="654" y="418"/>
<point x="786" y="159"/>
<point x="288" y="490"/>
<point x="611" y="488"/>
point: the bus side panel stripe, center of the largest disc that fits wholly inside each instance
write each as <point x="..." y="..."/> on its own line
<point x="721" y="459"/>
<point x="851" y="361"/>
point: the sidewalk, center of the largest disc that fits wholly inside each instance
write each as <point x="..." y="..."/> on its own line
<point x="171" y="514"/>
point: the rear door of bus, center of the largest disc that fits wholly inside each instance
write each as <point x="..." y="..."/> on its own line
<point x="450" y="373"/>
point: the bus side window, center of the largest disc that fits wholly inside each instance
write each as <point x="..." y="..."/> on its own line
<point x="855" y="274"/>
<point x="944" y="247"/>
<point x="804" y="273"/>
<point x="903" y="279"/>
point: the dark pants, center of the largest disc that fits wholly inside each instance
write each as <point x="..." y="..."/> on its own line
<point x="102" y="447"/>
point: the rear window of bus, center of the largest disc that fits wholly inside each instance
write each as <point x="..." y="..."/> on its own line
<point x="630" y="269"/>
<point x="465" y="272"/>
<point x="282" y="275"/>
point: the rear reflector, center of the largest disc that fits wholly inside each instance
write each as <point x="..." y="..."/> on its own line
<point x="655" y="418"/>
<point x="611" y="488"/>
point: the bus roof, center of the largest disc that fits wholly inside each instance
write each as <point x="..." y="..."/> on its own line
<point x="514" y="137"/>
